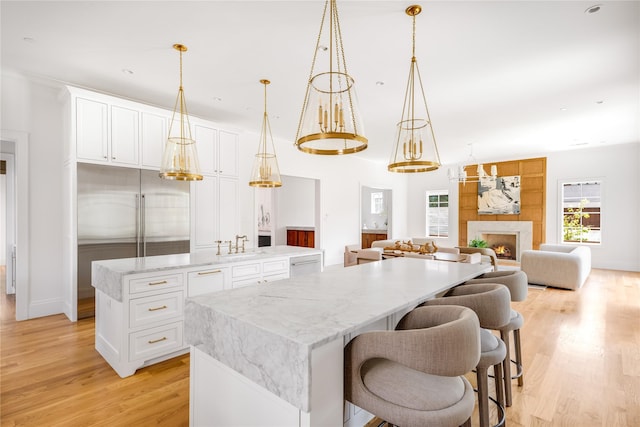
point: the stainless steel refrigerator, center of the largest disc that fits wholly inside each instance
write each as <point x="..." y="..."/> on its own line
<point x="126" y="213"/>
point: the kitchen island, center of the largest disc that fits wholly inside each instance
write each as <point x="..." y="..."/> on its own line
<point x="140" y="301"/>
<point x="273" y="355"/>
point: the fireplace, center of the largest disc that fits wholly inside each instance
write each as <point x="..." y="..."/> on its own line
<point x="505" y="245"/>
<point x="514" y="236"/>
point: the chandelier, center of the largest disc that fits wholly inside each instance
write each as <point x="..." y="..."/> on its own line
<point x="180" y="158"/>
<point x="265" y="173"/>
<point x="461" y="174"/>
<point x="415" y="148"/>
<point x="330" y="121"/>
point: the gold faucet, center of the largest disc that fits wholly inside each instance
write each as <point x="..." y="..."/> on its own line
<point x="244" y="239"/>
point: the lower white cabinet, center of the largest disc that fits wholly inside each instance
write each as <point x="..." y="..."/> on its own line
<point x="146" y="326"/>
<point x="259" y="272"/>
<point x="207" y="280"/>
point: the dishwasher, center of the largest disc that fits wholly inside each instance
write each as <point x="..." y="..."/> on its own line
<point x="305" y="264"/>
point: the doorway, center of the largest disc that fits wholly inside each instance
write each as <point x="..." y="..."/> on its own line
<point x="375" y="214"/>
<point x="8" y="216"/>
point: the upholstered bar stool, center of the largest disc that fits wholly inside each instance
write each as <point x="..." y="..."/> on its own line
<point x="517" y="283"/>
<point x="413" y="376"/>
<point x="491" y="303"/>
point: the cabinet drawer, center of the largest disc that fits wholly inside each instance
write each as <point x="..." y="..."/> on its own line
<point x="274" y="277"/>
<point x="205" y="281"/>
<point x="155" y="342"/>
<point x="143" y="311"/>
<point x="245" y="270"/>
<point x="246" y="282"/>
<point x="275" y="266"/>
<point x="155" y="283"/>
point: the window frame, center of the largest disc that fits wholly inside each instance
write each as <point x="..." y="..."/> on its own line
<point x="561" y="209"/>
<point x="438" y="193"/>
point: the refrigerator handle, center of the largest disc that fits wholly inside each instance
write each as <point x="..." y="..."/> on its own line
<point x="143" y="216"/>
<point x="137" y="225"/>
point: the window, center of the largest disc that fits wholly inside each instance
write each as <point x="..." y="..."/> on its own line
<point x="377" y="203"/>
<point x="581" y="212"/>
<point x="437" y="213"/>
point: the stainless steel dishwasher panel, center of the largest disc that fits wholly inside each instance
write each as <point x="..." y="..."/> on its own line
<point x="305" y="264"/>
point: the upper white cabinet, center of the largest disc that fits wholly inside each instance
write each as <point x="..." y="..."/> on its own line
<point x="153" y="136"/>
<point x="228" y="154"/>
<point x="207" y="147"/>
<point x="125" y="136"/>
<point x="92" y="134"/>
<point x="217" y="151"/>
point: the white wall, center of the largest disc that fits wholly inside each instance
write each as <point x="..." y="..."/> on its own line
<point x="618" y="166"/>
<point x="340" y="180"/>
<point x="34" y="108"/>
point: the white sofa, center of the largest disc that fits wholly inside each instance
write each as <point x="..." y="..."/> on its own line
<point x="560" y="266"/>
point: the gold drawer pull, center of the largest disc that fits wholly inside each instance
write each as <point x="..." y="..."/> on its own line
<point x="162" y="282"/>
<point x="203" y="273"/>
<point x="158" y="308"/>
<point x="158" y="340"/>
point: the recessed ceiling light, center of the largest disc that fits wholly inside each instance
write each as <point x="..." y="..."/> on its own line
<point x="127" y="71"/>
<point x="323" y="48"/>
<point x="217" y="99"/>
<point x="599" y="102"/>
<point x="563" y="109"/>
<point x="29" y="39"/>
<point x="593" y="9"/>
<point x="379" y="83"/>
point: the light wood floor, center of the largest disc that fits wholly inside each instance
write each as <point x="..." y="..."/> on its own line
<point x="581" y="355"/>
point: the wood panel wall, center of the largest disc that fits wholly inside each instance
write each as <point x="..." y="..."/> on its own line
<point x="533" y="187"/>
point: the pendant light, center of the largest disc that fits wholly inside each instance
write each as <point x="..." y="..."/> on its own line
<point x="180" y="158"/>
<point x="265" y="173"/>
<point x="330" y="121"/>
<point x="415" y="148"/>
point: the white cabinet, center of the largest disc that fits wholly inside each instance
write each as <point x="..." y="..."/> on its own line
<point x="259" y="272"/>
<point x="207" y="280"/>
<point x="106" y="134"/>
<point x="153" y="137"/>
<point x="146" y="327"/>
<point x="124" y="136"/>
<point x="217" y="151"/>
<point x="92" y="136"/>
<point x="215" y="207"/>
<point x="228" y="154"/>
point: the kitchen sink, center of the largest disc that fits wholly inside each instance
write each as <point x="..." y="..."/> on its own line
<point x="242" y="254"/>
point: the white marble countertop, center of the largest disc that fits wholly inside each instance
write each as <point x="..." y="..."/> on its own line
<point x="267" y="332"/>
<point x="106" y="275"/>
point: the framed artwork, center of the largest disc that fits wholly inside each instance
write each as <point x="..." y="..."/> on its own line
<point x="499" y="195"/>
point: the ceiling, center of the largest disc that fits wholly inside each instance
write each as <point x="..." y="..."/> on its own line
<point x="511" y="78"/>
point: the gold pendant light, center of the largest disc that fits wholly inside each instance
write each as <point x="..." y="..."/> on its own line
<point x="265" y="173"/>
<point x="415" y="149"/>
<point x="330" y="121"/>
<point x="180" y="158"/>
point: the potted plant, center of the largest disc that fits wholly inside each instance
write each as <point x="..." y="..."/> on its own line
<point x="478" y="243"/>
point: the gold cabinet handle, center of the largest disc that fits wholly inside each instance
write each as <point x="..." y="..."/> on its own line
<point x="158" y="308"/>
<point x="162" y="282"/>
<point x="204" y="273"/>
<point x="158" y="340"/>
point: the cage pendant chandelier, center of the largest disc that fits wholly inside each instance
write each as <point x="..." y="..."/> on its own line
<point x="265" y="172"/>
<point x="180" y="157"/>
<point x="330" y="121"/>
<point x="415" y="148"/>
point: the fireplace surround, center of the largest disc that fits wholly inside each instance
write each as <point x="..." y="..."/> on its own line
<point x="518" y="234"/>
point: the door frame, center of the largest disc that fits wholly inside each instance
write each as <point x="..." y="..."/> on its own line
<point x="21" y="141"/>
